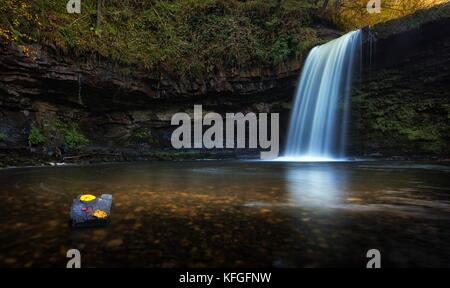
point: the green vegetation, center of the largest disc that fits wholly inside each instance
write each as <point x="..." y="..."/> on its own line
<point x="414" y="21"/>
<point x="403" y="123"/>
<point x="66" y="133"/>
<point x="143" y="135"/>
<point x="188" y="37"/>
<point x="74" y="139"/>
<point x="55" y="133"/>
<point x="2" y="136"/>
<point x="351" y="14"/>
<point x="36" y="137"/>
<point x="185" y="37"/>
<point x="188" y="155"/>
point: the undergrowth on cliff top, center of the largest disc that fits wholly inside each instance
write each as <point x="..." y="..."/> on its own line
<point x="186" y="37"/>
<point x="352" y="14"/>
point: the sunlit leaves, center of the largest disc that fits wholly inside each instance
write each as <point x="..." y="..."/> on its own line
<point x="20" y="17"/>
<point x="352" y="14"/>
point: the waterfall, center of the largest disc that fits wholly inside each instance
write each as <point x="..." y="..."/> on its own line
<point x="318" y="123"/>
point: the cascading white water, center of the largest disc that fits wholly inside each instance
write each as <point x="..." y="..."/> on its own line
<point x="317" y="130"/>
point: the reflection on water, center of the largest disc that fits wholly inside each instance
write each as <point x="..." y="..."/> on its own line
<point x="232" y="214"/>
<point x="316" y="186"/>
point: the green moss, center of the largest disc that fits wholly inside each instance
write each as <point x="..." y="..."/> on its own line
<point x="398" y="121"/>
<point x="179" y="155"/>
<point x="69" y="134"/>
<point x="57" y="133"/>
<point x="74" y="139"/>
<point x="143" y="136"/>
<point x="36" y="137"/>
<point x="281" y="105"/>
<point x="402" y="124"/>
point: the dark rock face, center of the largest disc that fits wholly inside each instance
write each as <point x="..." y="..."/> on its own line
<point x="402" y="104"/>
<point x="399" y="107"/>
<point x="38" y="89"/>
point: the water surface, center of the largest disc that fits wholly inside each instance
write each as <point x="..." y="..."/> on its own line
<point x="232" y="214"/>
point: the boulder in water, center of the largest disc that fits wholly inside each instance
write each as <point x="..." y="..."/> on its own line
<point x="90" y="211"/>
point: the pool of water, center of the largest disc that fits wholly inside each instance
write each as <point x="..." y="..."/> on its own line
<point x="231" y="214"/>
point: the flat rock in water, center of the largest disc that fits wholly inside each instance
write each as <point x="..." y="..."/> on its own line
<point x="91" y="213"/>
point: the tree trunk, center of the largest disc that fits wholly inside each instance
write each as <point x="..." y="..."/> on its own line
<point x="100" y="8"/>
